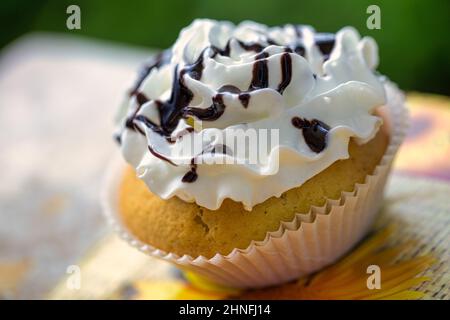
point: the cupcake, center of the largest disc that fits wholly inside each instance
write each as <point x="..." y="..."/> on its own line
<point x="254" y="154"/>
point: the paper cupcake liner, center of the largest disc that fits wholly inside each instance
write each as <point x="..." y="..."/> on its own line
<point x="306" y="244"/>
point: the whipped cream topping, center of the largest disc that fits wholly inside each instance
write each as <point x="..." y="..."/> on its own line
<point x="318" y="89"/>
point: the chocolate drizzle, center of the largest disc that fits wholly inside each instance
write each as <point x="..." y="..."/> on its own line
<point x="243" y="96"/>
<point x="195" y="69"/>
<point x="286" y="72"/>
<point x="180" y="134"/>
<point x="247" y="46"/>
<point x="191" y="175"/>
<point x="172" y="110"/>
<point x="160" y="156"/>
<point x="223" y="52"/>
<point x="209" y="114"/>
<point x="129" y="123"/>
<point x="177" y="106"/>
<point x="254" y="46"/>
<point x="325" y="42"/>
<point x="300" y="50"/>
<point x="141" y="98"/>
<point x="159" y="60"/>
<point x="315" y="132"/>
<point x="148" y="123"/>
<point x="260" y="78"/>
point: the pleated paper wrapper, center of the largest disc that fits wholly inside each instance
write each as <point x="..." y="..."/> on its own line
<point x="308" y="243"/>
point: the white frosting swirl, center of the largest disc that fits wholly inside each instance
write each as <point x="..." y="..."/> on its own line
<point x="340" y="90"/>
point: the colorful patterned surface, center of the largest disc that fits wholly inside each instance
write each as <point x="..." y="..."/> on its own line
<point x="347" y="279"/>
<point x="50" y="216"/>
<point x="426" y="150"/>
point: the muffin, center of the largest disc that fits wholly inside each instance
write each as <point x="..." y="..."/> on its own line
<point x="255" y="154"/>
<point x="187" y="228"/>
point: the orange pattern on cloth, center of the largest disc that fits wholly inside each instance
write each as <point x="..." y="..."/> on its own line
<point x="426" y="150"/>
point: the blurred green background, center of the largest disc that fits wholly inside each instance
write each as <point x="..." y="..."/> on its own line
<point x="414" y="41"/>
